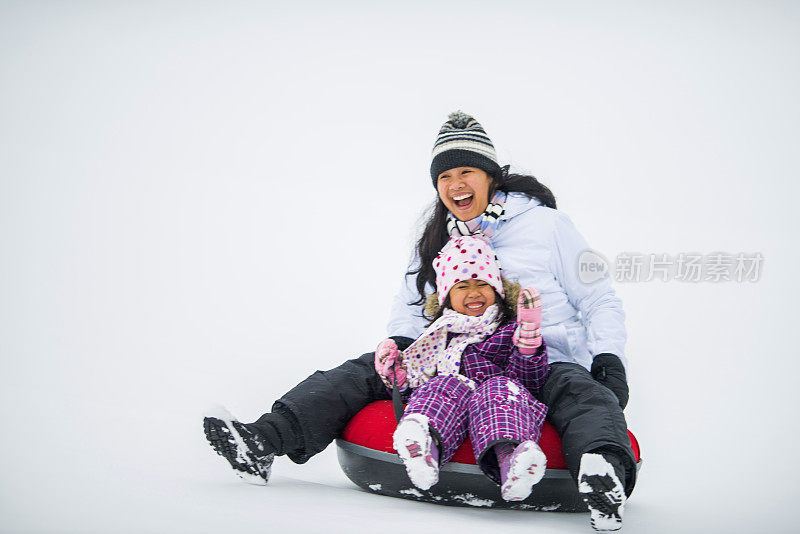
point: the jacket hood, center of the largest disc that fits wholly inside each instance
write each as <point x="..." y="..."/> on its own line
<point x="517" y="203"/>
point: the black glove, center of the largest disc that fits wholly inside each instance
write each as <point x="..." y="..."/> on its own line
<point x="402" y="342"/>
<point x="608" y="370"/>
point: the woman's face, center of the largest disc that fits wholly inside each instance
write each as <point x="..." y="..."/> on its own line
<point x="471" y="297"/>
<point x="464" y="191"/>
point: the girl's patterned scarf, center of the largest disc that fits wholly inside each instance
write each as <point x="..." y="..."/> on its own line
<point x="484" y="224"/>
<point x="430" y="354"/>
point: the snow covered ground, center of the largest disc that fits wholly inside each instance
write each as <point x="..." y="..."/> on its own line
<point x="205" y="202"/>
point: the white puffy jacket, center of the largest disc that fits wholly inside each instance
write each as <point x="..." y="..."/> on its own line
<point x="538" y="246"/>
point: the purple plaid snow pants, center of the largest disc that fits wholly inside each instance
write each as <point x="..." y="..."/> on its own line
<point x="499" y="410"/>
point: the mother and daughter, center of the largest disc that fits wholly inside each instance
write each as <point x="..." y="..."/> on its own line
<point x="472" y="352"/>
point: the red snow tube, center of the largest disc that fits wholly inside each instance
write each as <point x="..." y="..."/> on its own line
<point x="367" y="457"/>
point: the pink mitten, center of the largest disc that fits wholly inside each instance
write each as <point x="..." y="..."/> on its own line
<point x="389" y="364"/>
<point x="528" y="337"/>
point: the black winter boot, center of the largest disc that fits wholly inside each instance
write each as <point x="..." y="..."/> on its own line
<point x="599" y="482"/>
<point x="246" y="450"/>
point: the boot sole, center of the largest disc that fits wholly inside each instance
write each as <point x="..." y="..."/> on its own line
<point x="527" y="468"/>
<point x="413" y="444"/>
<point x="602" y="492"/>
<point x="229" y="443"/>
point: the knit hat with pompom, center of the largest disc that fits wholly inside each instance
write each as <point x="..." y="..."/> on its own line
<point x="462" y="142"/>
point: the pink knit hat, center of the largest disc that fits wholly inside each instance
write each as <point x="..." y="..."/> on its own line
<point x="463" y="258"/>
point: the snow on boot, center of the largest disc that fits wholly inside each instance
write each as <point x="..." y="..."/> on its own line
<point x="245" y="450"/>
<point x="602" y="491"/>
<point x="521" y="468"/>
<point x="414" y="445"/>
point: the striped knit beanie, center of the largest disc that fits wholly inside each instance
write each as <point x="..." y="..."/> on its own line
<point x="462" y="142"/>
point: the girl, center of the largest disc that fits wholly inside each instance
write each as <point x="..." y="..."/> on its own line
<point x="472" y="374"/>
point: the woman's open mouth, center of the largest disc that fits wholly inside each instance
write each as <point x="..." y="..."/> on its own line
<point x="463" y="201"/>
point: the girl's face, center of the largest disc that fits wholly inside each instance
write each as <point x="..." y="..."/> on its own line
<point x="464" y="191"/>
<point x="471" y="297"/>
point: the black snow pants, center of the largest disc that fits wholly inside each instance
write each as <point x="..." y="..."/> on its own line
<point x="585" y="413"/>
<point x="587" y="416"/>
<point x="319" y="407"/>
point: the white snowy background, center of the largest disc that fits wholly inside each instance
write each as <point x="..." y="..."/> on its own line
<point x="206" y="201"/>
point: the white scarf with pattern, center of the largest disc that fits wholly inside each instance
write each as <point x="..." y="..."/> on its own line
<point x="430" y="355"/>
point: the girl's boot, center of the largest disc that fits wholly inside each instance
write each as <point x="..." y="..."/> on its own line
<point x="414" y="445"/>
<point x="521" y="468"/>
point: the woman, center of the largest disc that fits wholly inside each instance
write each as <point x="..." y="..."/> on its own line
<point x="536" y="245"/>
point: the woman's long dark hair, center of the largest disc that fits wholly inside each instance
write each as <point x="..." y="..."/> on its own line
<point x="435" y="235"/>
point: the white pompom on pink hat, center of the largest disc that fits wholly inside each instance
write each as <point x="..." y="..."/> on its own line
<point x="465" y="258"/>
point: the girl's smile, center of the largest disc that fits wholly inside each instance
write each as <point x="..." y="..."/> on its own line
<point x="471" y="297"/>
